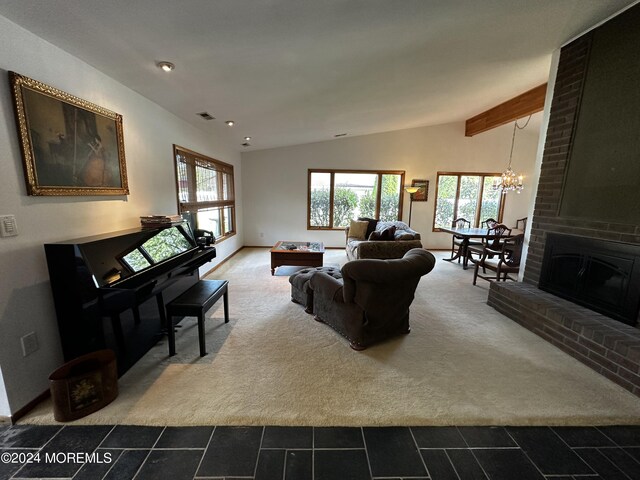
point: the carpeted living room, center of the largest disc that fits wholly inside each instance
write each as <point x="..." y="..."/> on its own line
<point x="463" y="364"/>
<point x="466" y="378"/>
<point x="199" y="286"/>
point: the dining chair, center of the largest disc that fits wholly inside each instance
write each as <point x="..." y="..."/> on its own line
<point x="457" y="241"/>
<point x="502" y="262"/>
<point x="488" y="223"/>
<point x="521" y="224"/>
<point x="493" y="241"/>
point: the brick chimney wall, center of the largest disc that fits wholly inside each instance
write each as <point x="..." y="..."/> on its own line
<point x="565" y="109"/>
<point x="609" y="347"/>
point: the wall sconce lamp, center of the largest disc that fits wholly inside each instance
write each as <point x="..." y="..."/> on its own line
<point x="411" y="191"/>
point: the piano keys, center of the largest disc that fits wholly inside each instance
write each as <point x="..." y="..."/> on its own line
<point x="110" y="290"/>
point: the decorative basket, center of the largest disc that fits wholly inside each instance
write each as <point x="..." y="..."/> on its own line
<point x="84" y="385"/>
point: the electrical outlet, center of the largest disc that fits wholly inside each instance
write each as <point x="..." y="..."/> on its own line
<point x="29" y="344"/>
<point x="261" y="234"/>
<point x="8" y="226"/>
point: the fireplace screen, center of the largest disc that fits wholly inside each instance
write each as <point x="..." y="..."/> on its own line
<point x="601" y="275"/>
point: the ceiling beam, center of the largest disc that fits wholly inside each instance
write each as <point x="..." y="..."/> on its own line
<point x="524" y="104"/>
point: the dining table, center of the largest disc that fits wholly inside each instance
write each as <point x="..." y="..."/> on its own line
<point x="467" y="234"/>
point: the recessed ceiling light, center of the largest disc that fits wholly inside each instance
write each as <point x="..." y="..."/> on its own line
<point x="231" y="123"/>
<point x="247" y="138"/>
<point x="166" y="66"/>
<point x="246" y="144"/>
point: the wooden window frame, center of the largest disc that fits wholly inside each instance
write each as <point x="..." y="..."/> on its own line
<point x="476" y="220"/>
<point x="193" y="205"/>
<point x="380" y="173"/>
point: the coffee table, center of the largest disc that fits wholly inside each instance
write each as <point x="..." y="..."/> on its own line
<point x="300" y="254"/>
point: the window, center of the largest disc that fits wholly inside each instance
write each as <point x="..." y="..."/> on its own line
<point x="467" y="195"/>
<point x="338" y="196"/>
<point x="206" y="191"/>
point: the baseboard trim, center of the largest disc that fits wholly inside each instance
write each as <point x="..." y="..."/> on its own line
<point x="223" y="262"/>
<point x="29" y="406"/>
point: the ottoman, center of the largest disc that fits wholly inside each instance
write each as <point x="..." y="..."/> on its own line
<point x="300" y="291"/>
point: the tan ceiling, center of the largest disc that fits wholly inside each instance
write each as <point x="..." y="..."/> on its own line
<point x="299" y="71"/>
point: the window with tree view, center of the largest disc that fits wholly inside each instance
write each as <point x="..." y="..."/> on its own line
<point x="206" y="191"/>
<point x="466" y="195"/>
<point x="338" y="196"/>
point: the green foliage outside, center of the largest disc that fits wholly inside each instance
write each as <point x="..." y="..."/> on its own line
<point x="320" y="207"/>
<point x="368" y="204"/>
<point x="166" y="244"/>
<point x="468" y="204"/>
<point x="446" y="196"/>
<point x="346" y="203"/>
<point x="389" y="200"/>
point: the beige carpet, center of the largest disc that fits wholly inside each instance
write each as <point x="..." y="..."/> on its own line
<point x="462" y="364"/>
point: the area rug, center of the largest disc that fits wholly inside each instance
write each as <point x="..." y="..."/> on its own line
<point x="462" y="364"/>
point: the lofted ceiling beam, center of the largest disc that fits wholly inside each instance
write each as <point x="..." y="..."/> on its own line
<point x="524" y="104"/>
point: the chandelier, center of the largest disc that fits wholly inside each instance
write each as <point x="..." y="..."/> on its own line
<point x="510" y="180"/>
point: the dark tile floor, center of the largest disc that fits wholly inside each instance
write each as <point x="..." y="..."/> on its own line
<point x="300" y="453"/>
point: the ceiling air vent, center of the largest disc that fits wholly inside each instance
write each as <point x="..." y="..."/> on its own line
<point x="206" y="116"/>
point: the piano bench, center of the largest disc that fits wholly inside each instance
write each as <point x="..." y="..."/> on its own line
<point x="194" y="303"/>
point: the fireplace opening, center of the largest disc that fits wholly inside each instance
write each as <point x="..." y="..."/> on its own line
<point x="599" y="274"/>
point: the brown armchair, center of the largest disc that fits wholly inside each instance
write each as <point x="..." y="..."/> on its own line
<point x="502" y="262"/>
<point x="371" y="301"/>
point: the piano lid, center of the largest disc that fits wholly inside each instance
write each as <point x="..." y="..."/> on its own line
<point x="115" y="257"/>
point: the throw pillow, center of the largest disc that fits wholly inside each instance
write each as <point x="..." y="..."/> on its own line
<point x="372" y="225"/>
<point x="388" y="233"/>
<point x="402" y="235"/>
<point x="358" y="229"/>
<point x="385" y="234"/>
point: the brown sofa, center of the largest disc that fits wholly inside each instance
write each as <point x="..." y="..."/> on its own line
<point x="371" y="301"/>
<point x="404" y="240"/>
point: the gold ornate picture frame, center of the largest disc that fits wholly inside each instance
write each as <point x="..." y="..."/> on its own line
<point x="69" y="146"/>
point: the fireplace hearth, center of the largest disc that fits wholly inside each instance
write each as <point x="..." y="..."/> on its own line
<point x="601" y="275"/>
<point x="583" y="294"/>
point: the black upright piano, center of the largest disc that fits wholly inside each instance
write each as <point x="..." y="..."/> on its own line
<point x="110" y="290"/>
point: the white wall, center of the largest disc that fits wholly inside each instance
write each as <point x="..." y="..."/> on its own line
<point x="4" y="401"/>
<point x="275" y="180"/>
<point x="26" y="304"/>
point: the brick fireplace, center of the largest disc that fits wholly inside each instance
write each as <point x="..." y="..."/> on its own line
<point x="609" y="346"/>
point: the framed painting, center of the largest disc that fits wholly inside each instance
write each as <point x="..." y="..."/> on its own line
<point x="423" y="193"/>
<point x="69" y="146"/>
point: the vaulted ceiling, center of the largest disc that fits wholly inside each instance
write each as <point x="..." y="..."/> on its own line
<point x="298" y="71"/>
